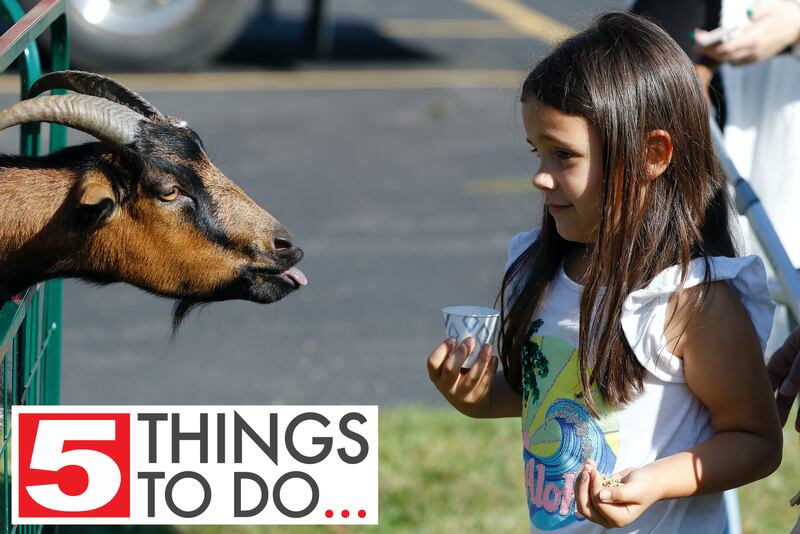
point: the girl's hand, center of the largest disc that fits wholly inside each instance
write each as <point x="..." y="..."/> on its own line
<point x="774" y="25"/>
<point x="469" y="391"/>
<point x="614" y="507"/>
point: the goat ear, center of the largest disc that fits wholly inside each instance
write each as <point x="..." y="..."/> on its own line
<point x="96" y="200"/>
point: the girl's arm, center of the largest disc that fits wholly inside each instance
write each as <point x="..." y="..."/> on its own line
<point x="481" y="392"/>
<point x="724" y="367"/>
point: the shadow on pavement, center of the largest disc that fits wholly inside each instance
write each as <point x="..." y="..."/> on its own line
<point x="270" y="41"/>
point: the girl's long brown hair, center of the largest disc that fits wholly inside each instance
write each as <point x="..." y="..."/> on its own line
<point x="626" y="77"/>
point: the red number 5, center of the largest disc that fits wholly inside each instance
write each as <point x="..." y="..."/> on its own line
<point x="96" y="444"/>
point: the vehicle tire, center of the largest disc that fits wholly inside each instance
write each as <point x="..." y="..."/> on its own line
<point x="153" y="34"/>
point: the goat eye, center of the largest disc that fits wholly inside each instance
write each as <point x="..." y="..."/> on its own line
<point x="172" y="195"/>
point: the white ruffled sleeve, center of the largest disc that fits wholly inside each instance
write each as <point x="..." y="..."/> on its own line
<point x="644" y="311"/>
<point x="519" y="243"/>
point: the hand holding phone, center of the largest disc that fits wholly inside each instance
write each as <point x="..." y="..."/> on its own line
<point x="716" y="36"/>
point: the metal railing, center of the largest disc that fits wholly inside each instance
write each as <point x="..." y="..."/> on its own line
<point x="785" y="288"/>
<point x="30" y="323"/>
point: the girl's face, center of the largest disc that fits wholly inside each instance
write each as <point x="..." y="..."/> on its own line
<point x="570" y="173"/>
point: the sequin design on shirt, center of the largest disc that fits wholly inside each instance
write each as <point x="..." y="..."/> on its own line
<point x="559" y="435"/>
<point x="533" y="363"/>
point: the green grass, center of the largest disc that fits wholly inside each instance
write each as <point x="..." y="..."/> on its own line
<point x="442" y="472"/>
<point x="765" y="503"/>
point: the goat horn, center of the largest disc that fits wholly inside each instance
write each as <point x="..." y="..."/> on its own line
<point x="89" y="83"/>
<point x="106" y="120"/>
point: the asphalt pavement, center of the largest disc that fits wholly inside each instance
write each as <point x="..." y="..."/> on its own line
<point x="399" y="164"/>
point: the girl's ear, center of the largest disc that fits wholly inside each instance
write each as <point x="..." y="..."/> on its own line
<point x="659" y="153"/>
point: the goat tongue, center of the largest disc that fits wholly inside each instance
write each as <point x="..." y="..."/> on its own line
<point x="296" y="275"/>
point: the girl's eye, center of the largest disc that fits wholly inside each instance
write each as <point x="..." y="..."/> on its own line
<point x="534" y="150"/>
<point x="563" y="155"/>
<point x="171" y="195"/>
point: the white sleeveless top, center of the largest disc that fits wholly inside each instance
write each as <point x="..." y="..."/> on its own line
<point x="558" y="433"/>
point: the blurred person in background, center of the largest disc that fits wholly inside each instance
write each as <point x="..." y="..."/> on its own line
<point x="784" y="373"/>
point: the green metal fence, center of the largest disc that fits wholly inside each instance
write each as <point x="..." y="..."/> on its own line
<point x="30" y="324"/>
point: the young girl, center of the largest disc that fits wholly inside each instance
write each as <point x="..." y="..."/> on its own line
<point x="631" y="335"/>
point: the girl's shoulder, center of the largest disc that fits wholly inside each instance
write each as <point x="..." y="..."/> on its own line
<point x="646" y="311"/>
<point x="520" y="242"/>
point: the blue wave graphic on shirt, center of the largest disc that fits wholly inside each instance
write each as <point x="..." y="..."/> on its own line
<point x="551" y="501"/>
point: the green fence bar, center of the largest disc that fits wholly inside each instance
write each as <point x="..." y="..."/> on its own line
<point x="30" y="324"/>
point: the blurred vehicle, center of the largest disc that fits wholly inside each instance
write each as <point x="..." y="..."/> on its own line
<point x="166" y="34"/>
<point x="152" y="34"/>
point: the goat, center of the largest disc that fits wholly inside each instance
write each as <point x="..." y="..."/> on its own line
<point x="144" y="206"/>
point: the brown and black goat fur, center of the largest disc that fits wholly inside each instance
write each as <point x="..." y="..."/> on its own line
<point x="154" y="212"/>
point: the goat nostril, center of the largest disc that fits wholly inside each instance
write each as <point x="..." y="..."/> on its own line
<point x="282" y="243"/>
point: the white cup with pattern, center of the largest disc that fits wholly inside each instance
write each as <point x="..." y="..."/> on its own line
<point x="476" y="322"/>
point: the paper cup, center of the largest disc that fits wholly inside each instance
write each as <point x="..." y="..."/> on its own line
<point x="476" y="322"/>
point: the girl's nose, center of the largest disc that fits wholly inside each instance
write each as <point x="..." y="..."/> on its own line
<point x="544" y="181"/>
